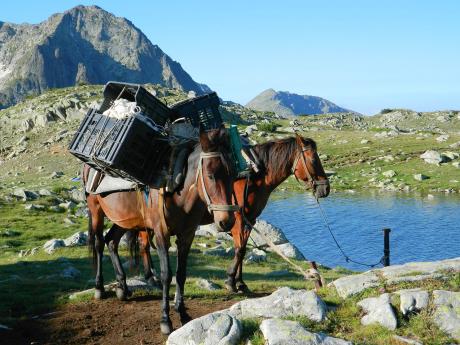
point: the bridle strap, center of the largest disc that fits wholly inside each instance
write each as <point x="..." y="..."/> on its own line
<point x="199" y="173"/>
<point x="300" y="156"/>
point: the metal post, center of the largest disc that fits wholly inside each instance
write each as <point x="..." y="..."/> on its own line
<point x="386" y="247"/>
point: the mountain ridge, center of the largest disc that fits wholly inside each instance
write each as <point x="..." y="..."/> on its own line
<point x="83" y="45"/>
<point x="285" y="103"/>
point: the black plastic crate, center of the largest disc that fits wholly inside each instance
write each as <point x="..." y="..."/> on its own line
<point x="149" y="104"/>
<point x="200" y="111"/>
<point x="128" y="148"/>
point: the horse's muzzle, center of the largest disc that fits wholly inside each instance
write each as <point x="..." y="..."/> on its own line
<point x="322" y="190"/>
<point x="225" y="224"/>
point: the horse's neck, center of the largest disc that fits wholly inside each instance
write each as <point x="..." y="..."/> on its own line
<point x="275" y="174"/>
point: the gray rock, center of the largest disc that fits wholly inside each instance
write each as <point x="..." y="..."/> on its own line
<point x="44" y="192"/>
<point x="256" y="255"/>
<point x="406" y="340"/>
<point x="207" y="285"/>
<point x="31" y="207"/>
<point x="378" y="310"/>
<point x="56" y="174"/>
<point x="389" y="173"/>
<point x="209" y="230"/>
<point x="219" y="251"/>
<point x="25" y="195"/>
<point x="442" y="138"/>
<point x="412" y="300"/>
<point x="283" y="332"/>
<point x="433" y="157"/>
<point x="456" y="164"/>
<point x="68" y="205"/>
<point x="271" y="232"/>
<point x="211" y="329"/>
<point x="284" y="302"/>
<point x="70" y="273"/>
<point x="223" y="236"/>
<point x="420" y="177"/>
<point x="450" y="155"/>
<point x="350" y="285"/>
<point x="77" y="239"/>
<point x="77" y="195"/>
<point x="5" y="328"/>
<point x="51" y="245"/>
<point x="289" y="250"/>
<point x="447" y="312"/>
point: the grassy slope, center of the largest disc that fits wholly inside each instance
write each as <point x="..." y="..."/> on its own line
<point x="39" y="273"/>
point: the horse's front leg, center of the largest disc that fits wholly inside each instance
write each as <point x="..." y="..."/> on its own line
<point x="162" y="249"/>
<point x="150" y="274"/>
<point x="112" y="239"/>
<point x="237" y="234"/>
<point x="240" y="284"/>
<point x="183" y="242"/>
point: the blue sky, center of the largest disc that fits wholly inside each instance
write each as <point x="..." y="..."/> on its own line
<point x="362" y="55"/>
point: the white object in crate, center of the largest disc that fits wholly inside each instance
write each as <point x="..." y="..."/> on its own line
<point x="122" y="109"/>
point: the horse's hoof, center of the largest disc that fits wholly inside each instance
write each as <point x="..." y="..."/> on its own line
<point x="243" y="288"/>
<point x="231" y="287"/>
<point x="166" y="327"/>
<point x="155" y="283"/>
<point x="121" y="294"/>
<point x="98" y="294"/>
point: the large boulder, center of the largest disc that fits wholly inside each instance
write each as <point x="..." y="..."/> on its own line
<point x="282" y="332"/>
<point x="268" y="230"/>
<point x="289" y="250"/>
<point x="350" y="285"/>
<point x="211" y="329"/>
<point x="433" y="157"/>
<point x="284" y="302"/>
<point x="379" y="311"/>
<point x="412" y="300"/>
<point x="447" y="312"/>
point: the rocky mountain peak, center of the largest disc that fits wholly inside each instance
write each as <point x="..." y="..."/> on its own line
<point x="85" y="44"/>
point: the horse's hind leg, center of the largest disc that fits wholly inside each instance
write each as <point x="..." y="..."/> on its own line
<point x="183" y="248"/>
<point x="112" y="239"/>
<point x="96" y="243"/>
<point x="150" y="274"/>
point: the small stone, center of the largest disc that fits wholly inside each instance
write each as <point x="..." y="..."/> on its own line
<point x="456" y="164"/>
<point x="420" y="177"/>
<point x="256" y="255"/>
<point x="433" y="157"/>
<point x="77" y="239"/>
<point x="56" y="174"/>
<point x="406" y="340"/>
<point x="69" y="205"/>
<point x="44" y="192"/>
<point x="442" y="138"/>
<point x="207" y="285"/>
<point x="389" y="173"/>
<point x="364" y="141"/>
<point x="51" y="245"/>
<point x="70" y="272"/>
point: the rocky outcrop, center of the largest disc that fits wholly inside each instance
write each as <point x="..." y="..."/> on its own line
<point x="447" y="312"/>
<point x="83" y="45"/>
<point x="413" y="271"/>
<point x="284" y="302"/>
<point x="212" y="329"/>
<point x="282" y="332"/>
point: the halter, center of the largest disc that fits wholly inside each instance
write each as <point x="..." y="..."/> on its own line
<point x="310" y="179"/>
<point x="199" y="173"/>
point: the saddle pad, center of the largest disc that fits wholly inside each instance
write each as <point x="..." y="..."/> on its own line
<point x="108" y="184"/>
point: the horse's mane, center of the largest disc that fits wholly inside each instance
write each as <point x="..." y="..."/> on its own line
<point x="275" y="155"/>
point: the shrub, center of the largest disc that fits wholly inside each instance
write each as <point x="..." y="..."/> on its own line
<point x="267" y="127"/>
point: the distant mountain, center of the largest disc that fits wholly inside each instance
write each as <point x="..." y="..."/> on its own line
<point x="284" y="104"/>
<point x="83" y="45"/>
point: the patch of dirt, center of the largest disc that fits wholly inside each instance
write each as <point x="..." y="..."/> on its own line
<point x="109" y="321"/>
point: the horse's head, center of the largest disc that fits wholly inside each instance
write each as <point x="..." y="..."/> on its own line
<point x="216" y="176"/>
<point x="308" y="168"/>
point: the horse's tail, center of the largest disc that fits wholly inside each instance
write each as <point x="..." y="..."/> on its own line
<point x="133" y="246"/>
<point x="91" y="240"/>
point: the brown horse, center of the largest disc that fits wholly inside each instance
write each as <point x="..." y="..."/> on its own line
<point x="279" y="159"/>
<point x="207" y="187"/>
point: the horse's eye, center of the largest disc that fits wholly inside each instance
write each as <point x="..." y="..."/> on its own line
<point x="211" y="177"/>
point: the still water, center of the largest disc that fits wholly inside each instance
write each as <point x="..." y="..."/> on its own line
<point x="422" y="228"/>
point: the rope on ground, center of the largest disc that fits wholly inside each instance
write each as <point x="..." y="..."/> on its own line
<point x="312" y="273"/>
<point x="347" y="258"/>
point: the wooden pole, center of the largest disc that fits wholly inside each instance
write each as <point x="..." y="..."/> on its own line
<point x="386" y="247"/>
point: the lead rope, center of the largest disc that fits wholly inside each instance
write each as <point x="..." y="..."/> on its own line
<point x="312" y="273"/>
<point x="347" y="258"/>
